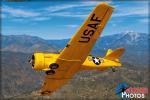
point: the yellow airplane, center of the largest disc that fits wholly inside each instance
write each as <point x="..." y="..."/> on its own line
<point x="59" y="68"/>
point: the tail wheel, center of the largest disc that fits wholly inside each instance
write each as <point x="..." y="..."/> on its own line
<point x="54" y="66"/>
<point x="50" y="72"/>
<point x="113" y="69"/>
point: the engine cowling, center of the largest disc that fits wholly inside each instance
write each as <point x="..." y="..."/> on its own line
<point x="37" y="61"/>
<point x="41" y="61"/>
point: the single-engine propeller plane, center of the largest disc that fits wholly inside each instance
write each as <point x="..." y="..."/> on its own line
<point x="59" y="68"/>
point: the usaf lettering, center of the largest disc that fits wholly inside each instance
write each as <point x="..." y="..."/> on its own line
<point x="88" y="33"/>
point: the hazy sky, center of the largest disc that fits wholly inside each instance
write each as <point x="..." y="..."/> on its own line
<point x="59" y="20"/>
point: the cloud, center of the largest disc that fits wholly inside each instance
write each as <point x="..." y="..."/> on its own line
<point x="18" y="20"/>
<point x="145" y="20"/>
<point x="41" y="18"/>
<point x="114" y="25"/>
<point x="79" y="9"/>
<point x="72" y="26"/>
<point x="3" y="15"/>
<point x="62" y="10"/>
<point x="15" y="12"/>
<point x="69" y="14"/>
<point x="82" y="9"/>
<point x="131" y="11"/>
<point x="19" y="15"/>
<point x="53" y="10"/>
<point x="70" y="6"/>
<point x="59" y="7"/>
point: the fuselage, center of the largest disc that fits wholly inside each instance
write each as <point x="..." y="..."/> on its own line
<point x="42" y="61"/>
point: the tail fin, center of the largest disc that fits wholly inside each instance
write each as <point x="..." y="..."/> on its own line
<point x="108" y="52"/>
<point x="114" y="55"/>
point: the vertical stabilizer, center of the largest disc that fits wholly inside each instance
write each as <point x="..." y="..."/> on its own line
<point x="113" y="55"/>
<point x="109" y="51"/>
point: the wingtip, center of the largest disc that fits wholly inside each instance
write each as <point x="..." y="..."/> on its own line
<point x="121" y="49"/>
<point x="105" y="4"/>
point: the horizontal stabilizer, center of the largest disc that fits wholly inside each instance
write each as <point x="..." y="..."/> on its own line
<point x="113" y="55"/>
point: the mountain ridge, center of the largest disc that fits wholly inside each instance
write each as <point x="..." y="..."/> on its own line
<point x="28" y="40"/>
<point x="135" y="44"/>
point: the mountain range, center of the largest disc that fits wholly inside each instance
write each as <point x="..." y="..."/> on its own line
<point x="136" y="45"/>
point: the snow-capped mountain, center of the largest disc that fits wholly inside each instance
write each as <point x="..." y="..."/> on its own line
<point x="133" y="35"/>
<point x="124" y="39"/>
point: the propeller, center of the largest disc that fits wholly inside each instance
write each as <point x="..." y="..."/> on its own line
<point x="32" y="60"/>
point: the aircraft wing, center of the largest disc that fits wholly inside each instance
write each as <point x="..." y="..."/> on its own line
<point x="78" y="48"/>
<point x="82" y="42"/>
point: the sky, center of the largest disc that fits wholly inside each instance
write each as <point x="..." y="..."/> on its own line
<point x="60" y="20"/>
